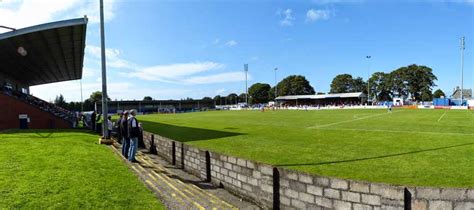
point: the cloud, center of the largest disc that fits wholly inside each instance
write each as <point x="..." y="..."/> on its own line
<point x="71" y="90"/>
<point x="24" y="13"/>
<point x="173" y="73"/>
<point x="314" y="15"/>
<point x="217" y="78"/>
<point x="88" y="72"/>
<point x="112" y="55"/>
<point x="216" y="41"/>
<point x="287" y="17"/>
<point x="231" y="43"/>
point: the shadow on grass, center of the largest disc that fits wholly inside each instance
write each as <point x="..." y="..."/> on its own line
<point x="185" y="134"/>
<point x="376" y="157"/>
<point x="42" y="133"/>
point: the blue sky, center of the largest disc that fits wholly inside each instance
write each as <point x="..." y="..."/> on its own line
<point x="172" y="50"/>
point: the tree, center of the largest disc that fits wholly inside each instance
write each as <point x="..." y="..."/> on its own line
<point x="96" y="97"/>
<point x="147" y="98"/>
<point x="59" y="101"/>
<point x="258" y="93"/>
<point x="358" y="85"/>
<point x="218" y="99"/>
<point x="232" y="98"/>
<point x="413" y="81"/>
<point x="438" y="94"/>
<point x="344" y="83"/>
<point x="294" y="85"/>
<point x="380" y="89"/>
<point x="207" y="98"/>
<point x="242" y="97"/>
<point x="426" y="95"/>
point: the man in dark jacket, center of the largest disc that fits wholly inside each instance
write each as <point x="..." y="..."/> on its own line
<point x="133" y="133"/>
<point x="123" y="127"/>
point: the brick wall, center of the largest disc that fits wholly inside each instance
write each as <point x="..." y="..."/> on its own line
<point x="269" y="186"/>
<point x="11" y="107"/>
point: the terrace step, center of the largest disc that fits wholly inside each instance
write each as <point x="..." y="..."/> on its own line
<point x="178" y="189"/>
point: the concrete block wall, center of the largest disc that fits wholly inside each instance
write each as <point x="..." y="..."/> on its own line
<point x="299" y="190"/>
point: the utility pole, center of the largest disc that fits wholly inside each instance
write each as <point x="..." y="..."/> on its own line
<point x="276" y="88"/>
<point x="104" y="74"/>
<point x="246" y="69"/>
<point x="462" y="68"/>
<point x="82" y="100"/>
<point x="368" y="78"/>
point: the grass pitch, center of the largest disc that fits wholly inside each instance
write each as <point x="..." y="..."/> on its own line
<point x="407" y="147"/>
<point x="66" y="170"/>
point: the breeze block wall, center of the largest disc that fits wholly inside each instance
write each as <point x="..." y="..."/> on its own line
<point x="281" y="188"/>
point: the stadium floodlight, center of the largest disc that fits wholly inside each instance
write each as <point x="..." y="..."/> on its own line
<point x="462" y="68"/>
<point x="246" y="69"/>
<point x="21" y="50"/>
<point x="104" y="75"/>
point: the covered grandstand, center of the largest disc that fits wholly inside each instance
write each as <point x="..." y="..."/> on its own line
<point x="332" y="99"/>
<point x="36" y="55"/>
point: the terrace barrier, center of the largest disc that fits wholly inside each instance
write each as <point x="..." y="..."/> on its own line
<point x="281" y="188"/>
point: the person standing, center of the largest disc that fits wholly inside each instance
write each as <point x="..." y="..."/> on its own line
<point x="133" y="133"/>
<point x="123" y="126"/>
<point x="93" y="116"/>
<point x="110" y="127"/>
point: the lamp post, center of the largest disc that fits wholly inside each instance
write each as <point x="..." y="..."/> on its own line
<point x="246" y="69"/>
<point x="462" y="68"/>
<point x="368" y="78"/>
<point x="104" y="75"/>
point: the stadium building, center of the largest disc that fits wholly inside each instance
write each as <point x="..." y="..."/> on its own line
<point x="159" y="106"/>
<point x="37" y="55"/>
<point x="334" y="99"/>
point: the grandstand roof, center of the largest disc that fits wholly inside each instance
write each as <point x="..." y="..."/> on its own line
<point x="325" y="96"/>
<point x="46" y="53"/>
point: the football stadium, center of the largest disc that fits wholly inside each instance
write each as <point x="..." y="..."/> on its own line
<point x="389" y="141"/>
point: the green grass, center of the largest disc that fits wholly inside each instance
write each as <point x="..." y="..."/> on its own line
<point x="66" y="169"/>
<point x="407" y="147"/>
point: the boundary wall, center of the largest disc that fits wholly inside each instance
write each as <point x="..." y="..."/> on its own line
<point x="281" y="188"/>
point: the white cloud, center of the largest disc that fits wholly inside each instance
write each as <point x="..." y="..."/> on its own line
<point x="24" y="13"/>
<point x="71" y="90"/>
<point x="217" y="78"/>
<point x="231" y="43"/>
<point x="216" y="41"/>
<point x="314" y="15"/>
<point x="112" y="56"/>
<point x="287" y="17"/>
<point x="173" y="73"/>
<point x="88" y="72"/>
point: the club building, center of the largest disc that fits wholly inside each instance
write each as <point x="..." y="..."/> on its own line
<point x="37" y="55"/>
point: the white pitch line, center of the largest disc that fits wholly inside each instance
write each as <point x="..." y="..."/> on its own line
<point x="352" y="120"/>
<point x="441" y="116"/>
<point x="400" y="131"/>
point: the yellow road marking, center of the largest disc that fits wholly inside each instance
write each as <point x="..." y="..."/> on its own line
<point x="193" y="187"/>
<point x="180" y="200"/>
<point x="176" y="189"/>
<point x="202" y="193"/>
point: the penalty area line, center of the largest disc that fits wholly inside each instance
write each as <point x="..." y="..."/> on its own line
<point x="352" y="120"/>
